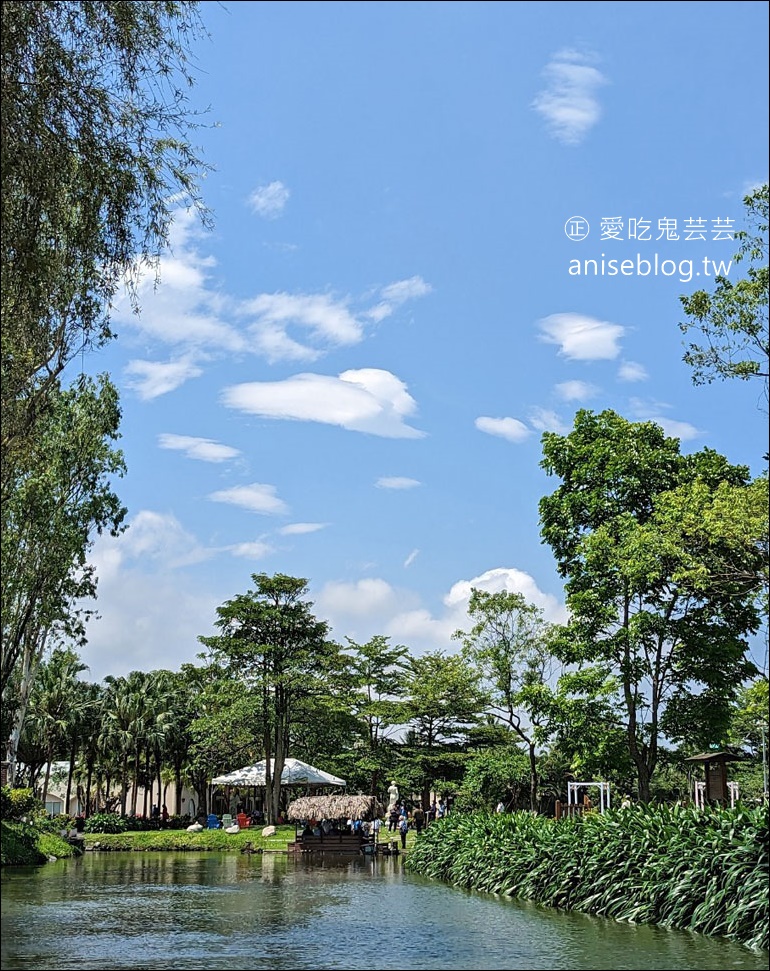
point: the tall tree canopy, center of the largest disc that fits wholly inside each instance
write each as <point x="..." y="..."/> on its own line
<point x="509" y="641"/>
<point x="270" y="643"/>
<point x="95" y="147"/>
<point x="659" y="598"/>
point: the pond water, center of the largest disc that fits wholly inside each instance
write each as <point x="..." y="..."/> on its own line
<point x="225" y="910"/>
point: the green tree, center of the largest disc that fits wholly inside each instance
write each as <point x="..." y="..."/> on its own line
<point x="60" y="500"/>
<point x="445" y="700"/>
<point x="749" y="730"/>
<point x="509" y="641"/>
<point x="732" y="320"/>
<point x="270" y="643"/>
<point x="378" y="673"/>
<point x="53" y="709"/>
<point x="96" y="151"/>
<point x="663" y="605"/>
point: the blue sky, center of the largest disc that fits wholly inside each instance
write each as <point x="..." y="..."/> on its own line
<point x="347" y="378"/>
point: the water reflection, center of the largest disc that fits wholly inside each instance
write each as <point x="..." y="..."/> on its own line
<point x="223" y="910"/>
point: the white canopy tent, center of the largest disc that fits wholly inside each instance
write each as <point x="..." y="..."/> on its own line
<point x="295" y="773"/>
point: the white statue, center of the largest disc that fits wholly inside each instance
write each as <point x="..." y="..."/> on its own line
<point x="392" y="795"/>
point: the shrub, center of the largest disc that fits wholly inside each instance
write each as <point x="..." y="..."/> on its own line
<point x="17" y="803"/>
<point x="105" y="823"/>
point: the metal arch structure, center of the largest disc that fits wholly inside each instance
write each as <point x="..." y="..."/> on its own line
<point x="573" y="790"/>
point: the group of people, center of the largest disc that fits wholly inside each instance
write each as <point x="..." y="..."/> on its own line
<point x="398" y="815"/>
<point x="158" y="813"/>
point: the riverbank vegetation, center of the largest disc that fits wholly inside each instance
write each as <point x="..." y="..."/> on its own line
<point x="698" y="870"/>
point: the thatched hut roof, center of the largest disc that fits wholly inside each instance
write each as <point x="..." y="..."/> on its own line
<point x="335" y="807"/>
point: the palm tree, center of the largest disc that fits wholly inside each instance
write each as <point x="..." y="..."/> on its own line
<point x="53" y="710"/>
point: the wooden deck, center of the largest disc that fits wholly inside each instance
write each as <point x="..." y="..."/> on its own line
<point x="340" y="843"/>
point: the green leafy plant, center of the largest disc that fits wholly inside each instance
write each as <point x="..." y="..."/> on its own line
<point x="106" y="823"/>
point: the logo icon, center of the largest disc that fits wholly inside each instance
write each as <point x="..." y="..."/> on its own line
<point x="576" y="228"/>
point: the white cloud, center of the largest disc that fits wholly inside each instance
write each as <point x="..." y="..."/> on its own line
<point x="302" y="326"/>
<point x="510" y="428"/>
<point x="299" y="529"/>
<point x="365" y="400"/>
<point x="582" y="338"/>
<point x="372" y="606"/>
<point x="256" y="497"/>
<point x="511" y="580"/>
<point x="363" y="598"/>
<point x="150" y="379"/>
<point x="156" y="540"/>
<point x="547" y="421"/>
<point x="153" y="621"/>
<point x="651" y="411"/>
<point x="198" y="448"/>
<point x="269" y="200"/>
<point x="395" y="294"/>
<point x="411" y="558"/>
<point x="396" y="482"/>
<point x="576" y="390"/>
<point x="682" y="430"/>
<point x="156" y="537"/>
<point x="151" y="610"/>
<point x="181" y="306"/>
<point x="322" y="320"/>
<point x="631" y="371"/>
<point x="568" y="103"/>
<point x="256" y="550"/>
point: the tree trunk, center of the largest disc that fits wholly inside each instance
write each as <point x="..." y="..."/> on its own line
<point x="533" y="781"/>
<point x="71" y="772"/>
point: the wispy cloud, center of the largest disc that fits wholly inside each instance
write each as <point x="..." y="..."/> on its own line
<point x="645" y="410"/>
<point x="365" y="400"/>
<point x="256" y="550"/>
<point x="411" y="558"/>
<point x="299" y="529"/>
<point x="269" y="200"/>
<point x="153" y="537"/>
<point x="582" y="338"/>
<point x="544" y="420"/>
<point x="510" y="428"/>
<point x="683" y="430"/>
<point x="255" y="497"/>
<point x="203" y="449"/>
<point x="396" y="482"/>
<point x="151" y="379"/>
<point x="321" y="319"/>
<point x="631" y="371"/>
<point x="568" y="103"/>
<point x="576" y="390"/>
<point x="181" y="305"/>
<point x="396" y="294"/>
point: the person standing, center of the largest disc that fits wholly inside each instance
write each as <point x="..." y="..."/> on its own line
<point x="418" y="817"/>
<point x="403" y="829"/>
<point x="393" y="817"/>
